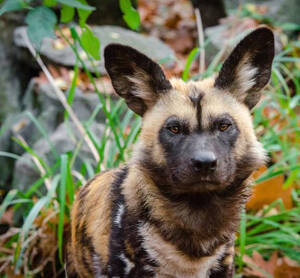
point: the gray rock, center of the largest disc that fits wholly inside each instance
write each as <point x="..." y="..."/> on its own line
<point x="9" y="82"/>
<point x="280" y="11"/>
<point x="14" y="124"/>
<point x="64" y="139"/>
<point x="83" y="104"/>
<point x="42" y="102"/>
<point x="217" y="35"/>
<point x="151" y="46"/>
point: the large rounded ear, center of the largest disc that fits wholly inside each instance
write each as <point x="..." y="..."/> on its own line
<point x="135" y="77"/>
<point x="248" y="68"/>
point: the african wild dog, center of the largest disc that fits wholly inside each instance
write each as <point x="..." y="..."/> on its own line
<point x="173" y="210"/>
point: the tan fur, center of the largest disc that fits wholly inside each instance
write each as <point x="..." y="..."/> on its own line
<point x="173" y="261"/>
<point x="245" y="78"/>
<point x="141" y="81"/>
<point x="93" y="213"/>
<point x="229" y="258"/>
<point x="99" y="210"/>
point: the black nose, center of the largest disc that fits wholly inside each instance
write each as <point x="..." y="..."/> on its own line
<point x="204" y="161"/>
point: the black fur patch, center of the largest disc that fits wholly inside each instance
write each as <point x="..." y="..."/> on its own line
<point x="116" y="266"/>
<point x="125" y="230"/>
<point x="229" y="137"/>
<point x="181" y="148"/>
<point x="195" y="97"/>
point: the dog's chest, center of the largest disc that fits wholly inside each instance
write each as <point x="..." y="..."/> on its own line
<point x="172" y="263"/>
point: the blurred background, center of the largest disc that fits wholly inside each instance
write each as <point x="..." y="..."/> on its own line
<point x="61" y="122"/>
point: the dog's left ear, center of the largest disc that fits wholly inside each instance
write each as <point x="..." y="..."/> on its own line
<point x="248" y="68"/>
<point x="135" y="77"/>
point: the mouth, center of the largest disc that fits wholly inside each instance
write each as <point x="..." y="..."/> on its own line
<point x="205" y="181"/>
<point x="209" y="181"/>
<point x="195" y="181"/>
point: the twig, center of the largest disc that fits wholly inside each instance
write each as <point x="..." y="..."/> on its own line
<point x="9" y="233"/>
<point x="201" y="41"/>
<point x="78" y="176"/>
<point x="63" y="100"/>
<point x="9" y="259"/>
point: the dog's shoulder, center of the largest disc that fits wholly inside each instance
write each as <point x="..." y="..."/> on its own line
<point x="91" y="222"/>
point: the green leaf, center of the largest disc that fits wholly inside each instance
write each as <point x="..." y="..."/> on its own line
<point x="12" y="5"/>
<point x="132" y="19"/>
<point x="76" y="4"/>
<point x="49" y="3"/>
<point x="131" y="16"/>
<point x="125" y="5"/>
<point x="90" y="43"/>
<point x="41" y="22"/>
<point x="67" y="13"/>
<point x="83" y="14"/>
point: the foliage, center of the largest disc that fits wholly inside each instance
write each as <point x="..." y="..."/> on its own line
<point x="41" y="20"/>
<point x="38" y="245"/>
<point x="131" y="16"/>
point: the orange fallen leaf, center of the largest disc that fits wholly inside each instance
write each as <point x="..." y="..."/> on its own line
<point x="258" y="267"/>
<point x="7" y="217"/>
<point x="275" y="266"/>
<point x="287" y="271"/>
<point x="268" y="191"/>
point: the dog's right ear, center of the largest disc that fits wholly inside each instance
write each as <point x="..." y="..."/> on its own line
<point x="135" y="77"/>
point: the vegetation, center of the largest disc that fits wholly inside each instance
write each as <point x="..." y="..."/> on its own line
<point x="36" y="248"/>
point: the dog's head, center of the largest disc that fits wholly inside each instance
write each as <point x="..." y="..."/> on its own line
<point x="196" y="136"/>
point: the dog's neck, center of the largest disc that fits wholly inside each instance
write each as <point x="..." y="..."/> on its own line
<point x="205" y="220"/>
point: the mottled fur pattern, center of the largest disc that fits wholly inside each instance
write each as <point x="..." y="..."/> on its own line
<point x="173" y="209"/>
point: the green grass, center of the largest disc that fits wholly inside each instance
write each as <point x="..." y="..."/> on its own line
<point x="60" y="182"/>
<point x="281" y="138"/>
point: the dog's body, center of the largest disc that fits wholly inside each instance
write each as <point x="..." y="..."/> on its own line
<point x="173" y="210"/>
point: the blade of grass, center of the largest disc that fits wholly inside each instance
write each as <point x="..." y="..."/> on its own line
<point x="62" y="204"/>
<point x="71" y="92"/>
<point x="70" y="184"/>
<point x="7" y="201"/>
<point x="242" y="238"/>
<point x="43" y="132"/>
<point x="10" y="155"/>
<point x="190" y="59"/>
<point x="26" y="228"/>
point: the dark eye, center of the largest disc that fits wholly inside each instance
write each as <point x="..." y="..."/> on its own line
<point x="174" y="129"/>
<point x="224" y="126"/>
